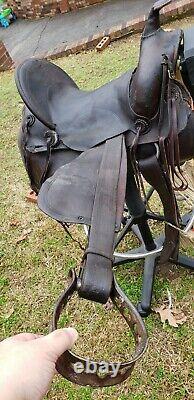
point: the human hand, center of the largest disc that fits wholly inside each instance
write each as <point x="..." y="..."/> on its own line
<point x="27" y="363"/>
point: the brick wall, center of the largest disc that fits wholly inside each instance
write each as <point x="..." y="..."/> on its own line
<point x="40" y="8"/>
<point x="5" y="59"/>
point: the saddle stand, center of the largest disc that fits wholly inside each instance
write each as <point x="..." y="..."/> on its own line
<point x="150" y="257"/>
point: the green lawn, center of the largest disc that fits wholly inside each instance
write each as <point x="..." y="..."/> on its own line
<point x="34" y="272"/>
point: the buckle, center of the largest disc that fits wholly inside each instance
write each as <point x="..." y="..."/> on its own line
<point x="51" y="137"/>
<point x="67" y="363"/>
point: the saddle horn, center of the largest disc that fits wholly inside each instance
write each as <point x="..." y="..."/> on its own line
<point x="153" y="22"/>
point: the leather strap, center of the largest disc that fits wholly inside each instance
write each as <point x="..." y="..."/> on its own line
<point x="153" y="173"/>
<point x="96" y="275"/>
<point x="28" y="123"/>
<point x="51" y="140"/>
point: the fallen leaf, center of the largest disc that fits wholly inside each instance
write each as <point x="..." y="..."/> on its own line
<point x="180" y="316"/>
<point x="24" y="235"/>
<point x="173" y="316"/>
<point x="31" y="197"/>
<point x="109" y="305"/>
<point x="187" y="238"/>
<point x="14" y="222"/>
<point x="9" y="313"/>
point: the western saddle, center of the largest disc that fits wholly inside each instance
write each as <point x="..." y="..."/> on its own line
<point x="86" y="152"/>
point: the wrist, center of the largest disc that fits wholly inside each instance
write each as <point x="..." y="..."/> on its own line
<point x="7" y="390"/>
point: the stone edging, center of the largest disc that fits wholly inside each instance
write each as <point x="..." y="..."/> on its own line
<point x="173" y="11"/>
<point x="177" y="9"/>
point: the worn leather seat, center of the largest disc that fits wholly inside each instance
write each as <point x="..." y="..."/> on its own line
<point x="83" y="118"/>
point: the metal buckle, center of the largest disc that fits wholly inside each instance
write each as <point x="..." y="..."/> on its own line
<point x="51" y="137"/>
<point x="66" y="363"/>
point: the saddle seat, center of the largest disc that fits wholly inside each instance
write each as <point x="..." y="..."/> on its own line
<point x="82" y="119"/>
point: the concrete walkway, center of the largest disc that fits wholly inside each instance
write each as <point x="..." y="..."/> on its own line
<point x="26" y="38"/>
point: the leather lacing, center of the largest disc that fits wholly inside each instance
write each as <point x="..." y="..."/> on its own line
<point x="169" y="147"/>
<point x="140" y="126"/>
<point x="168" y="144"/>
<point x="30" y="120"/>
<point x="51" y="141"/>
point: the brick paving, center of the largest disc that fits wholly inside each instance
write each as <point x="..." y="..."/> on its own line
<point x="5" y="59"/>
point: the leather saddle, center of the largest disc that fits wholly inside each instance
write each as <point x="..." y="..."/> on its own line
<point x="112" y="135"/>
<point x="148" y="107"/>
<point x="81" y="119"/>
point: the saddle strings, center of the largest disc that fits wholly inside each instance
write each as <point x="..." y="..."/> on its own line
<point x="66" y="228"/>
<point x="30" y="120"/>
<point x="135" y="165"/>
<point x="174" y="153"/>
<point x="51" y="141"/>
<point x="161" y="116"/>
<point x="169" y="147"/>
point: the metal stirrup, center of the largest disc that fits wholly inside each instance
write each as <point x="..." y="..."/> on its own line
<point x="66" y="363"/>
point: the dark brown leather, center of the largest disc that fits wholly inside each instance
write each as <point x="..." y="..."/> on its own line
<point x="153" y="173"/>
<point x="145" y="88"/>
<point x="74" y="145"/>
<point x="145" y="116"/>
<point x="91" y="191"/>
<point x="160" y="107"/>
<point x="96" y="276"/>
<point x="65" y="363"/>
<point x="68" y="195"/>
<point x="32" y="143"/>
<point x="82" y="119"/>
<point x="150" y="106"/>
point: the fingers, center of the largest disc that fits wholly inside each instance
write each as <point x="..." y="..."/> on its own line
<point x="22" y="337"/>
<point x="54" y="344"/>
<point x="59" y="341"/>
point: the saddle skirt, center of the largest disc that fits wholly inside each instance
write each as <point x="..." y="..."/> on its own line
<point x="68" y="195"/>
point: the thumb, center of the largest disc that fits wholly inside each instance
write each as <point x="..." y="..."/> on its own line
<point x="59" y="341"/>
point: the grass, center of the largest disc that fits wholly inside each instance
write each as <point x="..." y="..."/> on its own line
<point x="34" y="272"/>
